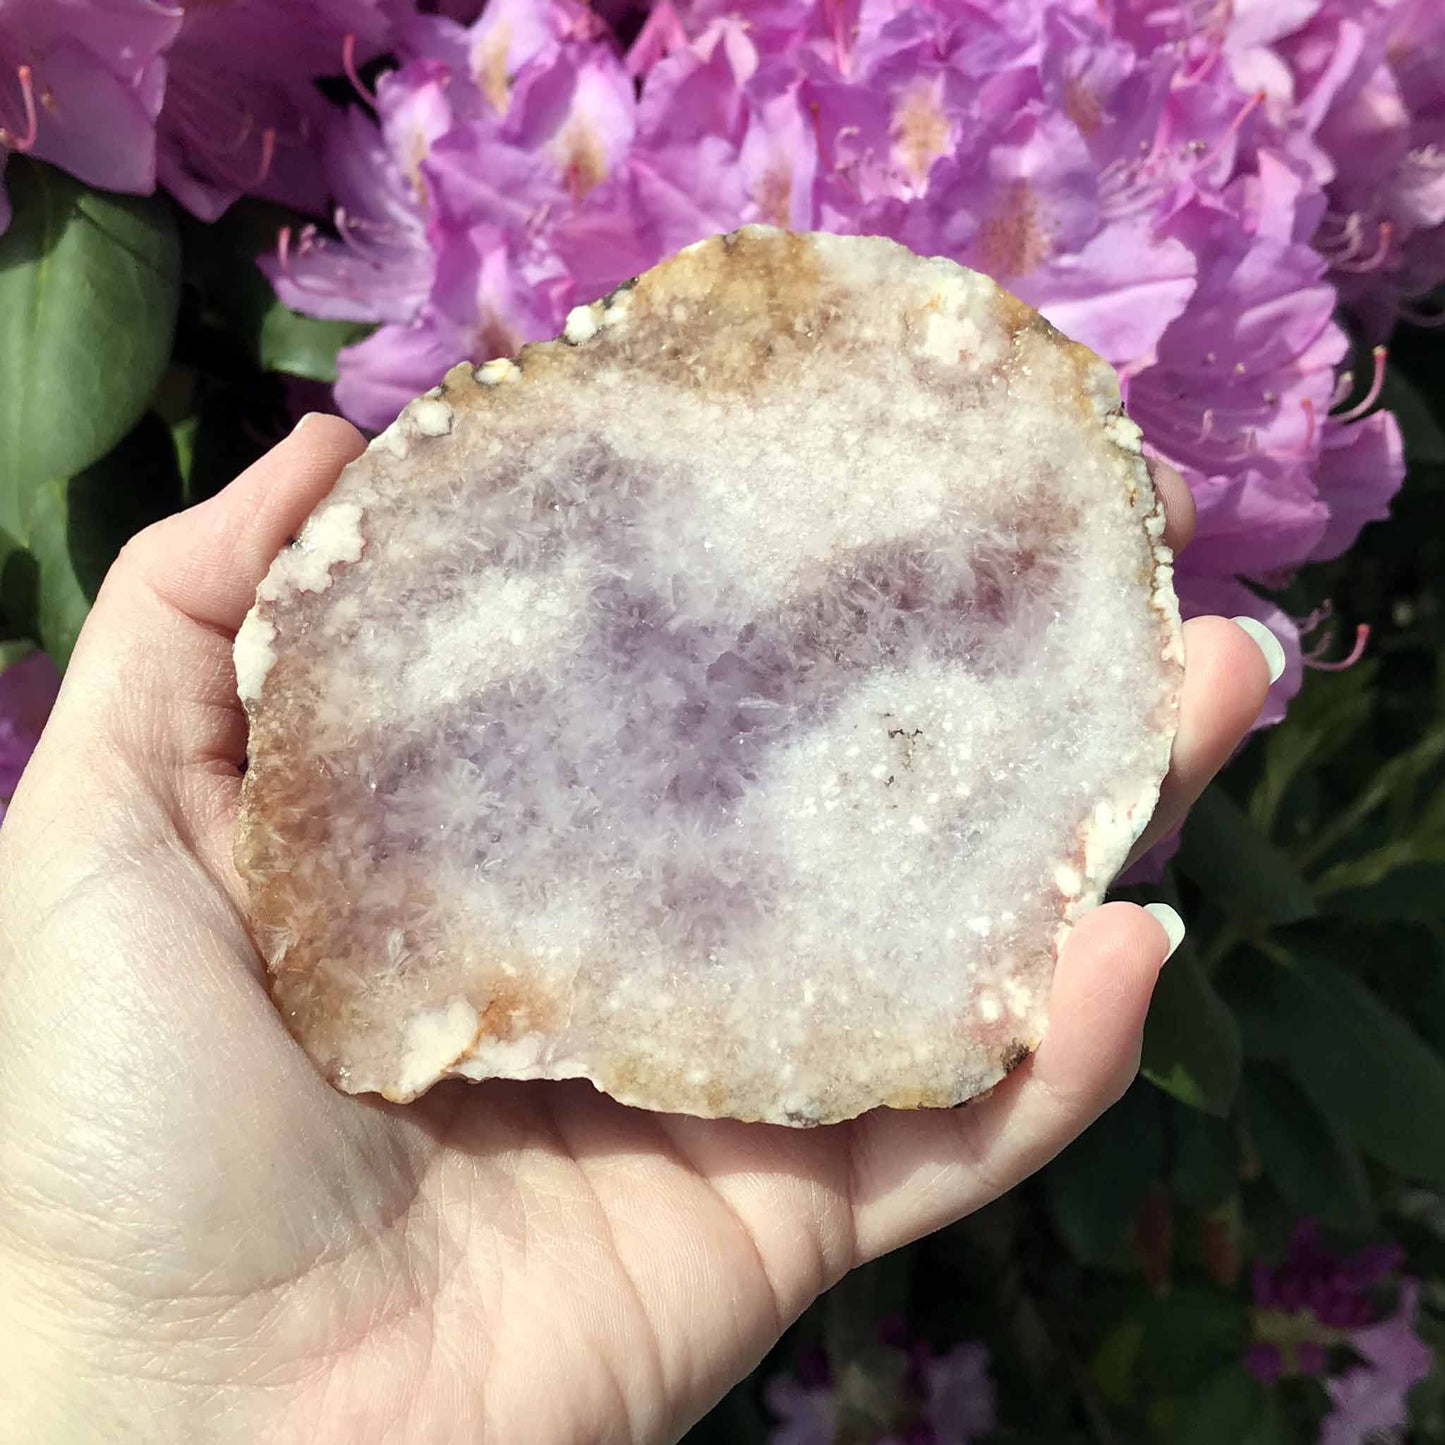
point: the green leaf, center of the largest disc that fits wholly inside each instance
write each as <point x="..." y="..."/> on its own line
<point x="1364" y="1066"/>
<point x="1115" y="1361"/>
<point x="81" y="525"/>
<point x="1231" y="1405"/>
<point x="1247" y="982"/>
<point x="1329" y="711"/>
<point x="1397" y="782"/>
<point x="1188" y="1335"/>
<point x="13" y="649"/>
<point x="1431" y="1008"/>
<point x="1270" y="1221"/>
<point x="1097" y="1185"/>
<point x="1422" y="433"/>
<point x="1308" y="1159"/>
<point x="1206" y="1165"/>
<point x="1191" y="1040"/>
<point x="1413" y="891"/>
<point x="1238" y="867"/>
<point x="89" y="286"/>
<point x="303" y="345"/>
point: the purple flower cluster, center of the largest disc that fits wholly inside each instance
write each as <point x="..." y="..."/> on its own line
<point x="28" y="689"/>
<point x="211" y="100"/>
<point x="1366" y="84"/>
<point x="949" y="1399"/>
<point x="81" y="85"/>
<point x="1164" y="181"/>
<point x="1317" y="1302"/>
<point x="1189" y="186"/>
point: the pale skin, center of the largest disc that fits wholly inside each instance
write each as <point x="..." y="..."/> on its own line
<point x="201" y="1240"/>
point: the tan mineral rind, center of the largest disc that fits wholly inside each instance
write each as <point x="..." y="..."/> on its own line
<point x="733" y="702"/>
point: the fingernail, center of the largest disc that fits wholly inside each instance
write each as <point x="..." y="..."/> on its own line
<point x="309" y="417"/>
<point x="1268" y="644"/>
<point x="1170" y="922"/>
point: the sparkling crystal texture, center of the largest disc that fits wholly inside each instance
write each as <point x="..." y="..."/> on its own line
<point x="732" y="702"/>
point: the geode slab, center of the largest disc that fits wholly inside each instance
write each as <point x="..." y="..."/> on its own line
<point x="732" y="702"/>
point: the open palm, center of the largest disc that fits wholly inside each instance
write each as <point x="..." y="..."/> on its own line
<point x="202" y="1240"/>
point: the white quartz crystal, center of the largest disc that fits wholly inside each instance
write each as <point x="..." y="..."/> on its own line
<point x="734" y="708"/>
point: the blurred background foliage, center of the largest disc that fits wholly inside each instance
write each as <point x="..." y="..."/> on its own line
<point x="1294" y="1064"/>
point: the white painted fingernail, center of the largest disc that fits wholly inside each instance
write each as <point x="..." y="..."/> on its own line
<point x="1268" y="644"/>
<point x="1170" y="922"/>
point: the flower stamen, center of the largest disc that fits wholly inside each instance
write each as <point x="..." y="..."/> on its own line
<point x="348" y="65"/>
<point x="23" y="139"/>
<point x="1313" y="659"/>
<point x="1375" y="259"/>
<point x="1372" y="395"/>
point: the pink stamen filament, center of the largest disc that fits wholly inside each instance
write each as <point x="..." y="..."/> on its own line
<point x="841" y="50"/>
<point x="1317" y="618"/>
<point x="283" y="252"/>
<point x="1232" y="130"/>
<point x="1373" y="394"/>
<point x="348" y="64"/>
<point x="1362" y="637"/>
<point x="268" y="154"/>
<point x="1339" y="237"/>
<point x="201" y="114"/>
<point x="1202" y="67"/>
<point x="368" y="239"/>
<point x="369" y="252"/>
<point x="1228" y="450"/>
<point x="1237" y="417"/>
<point x="23" y="140"/>
<point x="1375" y="259"/>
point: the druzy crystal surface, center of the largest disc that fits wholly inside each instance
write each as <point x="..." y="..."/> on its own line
<point x="733" y="702"/>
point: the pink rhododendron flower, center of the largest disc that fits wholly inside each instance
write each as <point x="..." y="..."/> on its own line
<point x="1367" y="79"/>
<point x="28" y="689"/>
<point x="1370" y="1400"/>
<point x="1316" y="1302"/>
<point x="242" y="114"/>
<point x="81" y="86"/>
<point x="1161" y="183"/>
<point x="380" y="265"/>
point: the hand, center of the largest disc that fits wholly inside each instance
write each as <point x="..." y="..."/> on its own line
<point x="201" y="1240"/>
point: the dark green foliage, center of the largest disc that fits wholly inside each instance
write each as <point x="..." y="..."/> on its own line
<point x="89" y="289"/>
<point x="144" y="362"/>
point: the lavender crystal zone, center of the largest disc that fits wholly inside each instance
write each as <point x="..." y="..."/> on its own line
<point x="658" y="703"/>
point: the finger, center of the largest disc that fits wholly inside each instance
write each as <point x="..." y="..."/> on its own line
<point x="163" y="622"/>
<point x="1178" y="503"/>
<point x="915" y="1172"/>
<point x="1226" y="677"/>
<point x="151" y="685"/>
<point x="206" y="563"/>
